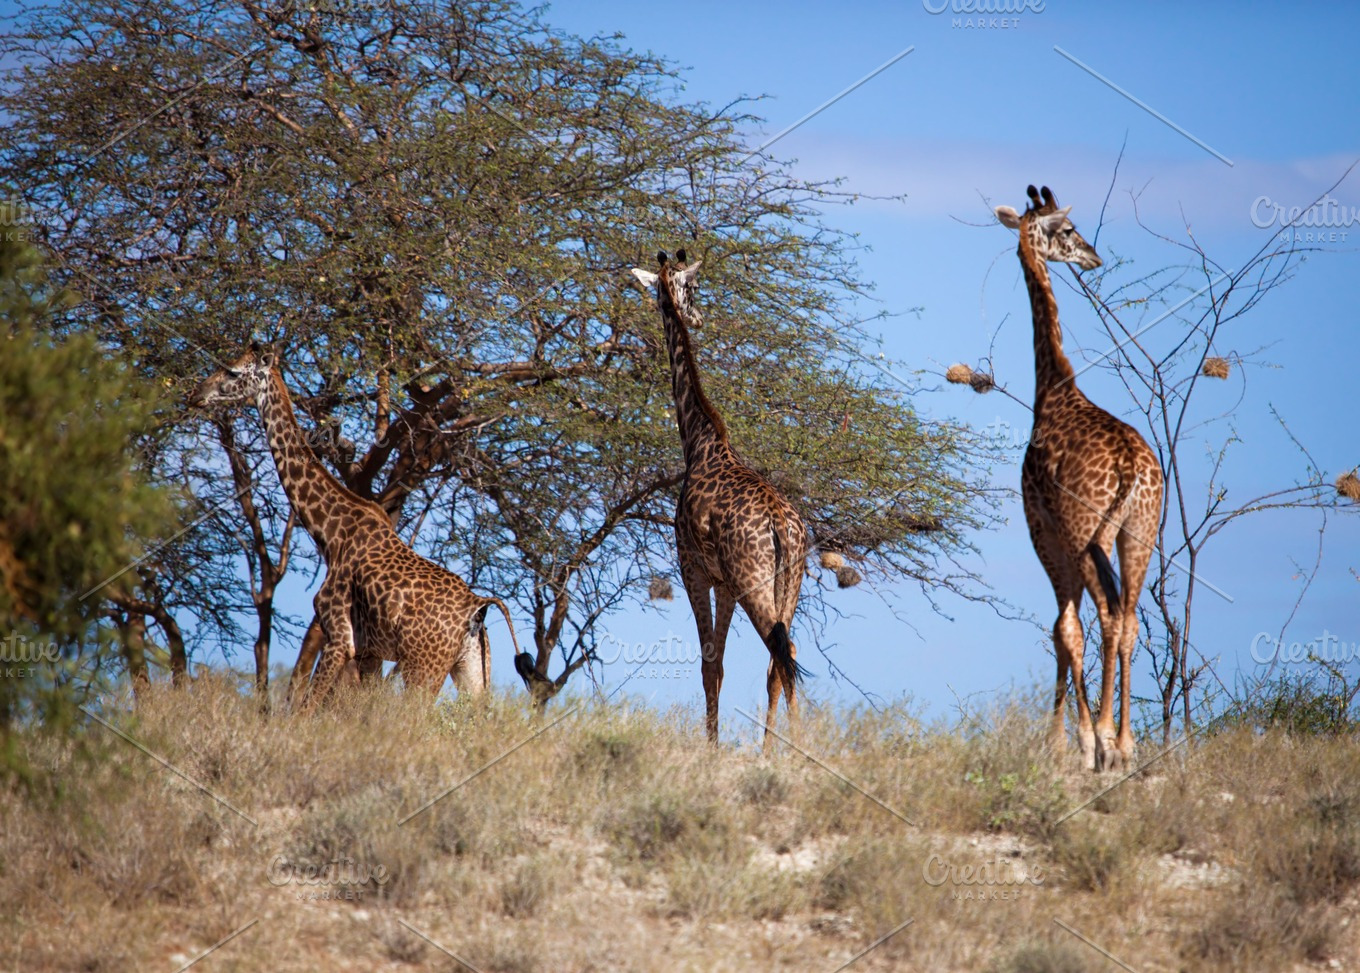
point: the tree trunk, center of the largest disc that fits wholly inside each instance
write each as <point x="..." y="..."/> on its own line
<point x="132" y="628"/>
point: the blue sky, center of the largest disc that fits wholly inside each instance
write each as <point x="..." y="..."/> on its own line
<point x="965" y="122"/>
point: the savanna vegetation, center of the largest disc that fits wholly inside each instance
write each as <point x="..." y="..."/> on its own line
<point x="432" y="211"/>
<point x="621" y="841"/>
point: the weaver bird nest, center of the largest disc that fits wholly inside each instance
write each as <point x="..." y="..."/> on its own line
<point x="660" y="590"/>
<point x="1215" y="367"/>
<point x="846" y="576"/>
<point x="1348" y="485"/>
<point x="961" y="374"/>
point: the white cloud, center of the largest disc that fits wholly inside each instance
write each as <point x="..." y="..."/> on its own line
<point x="952" y="178"/>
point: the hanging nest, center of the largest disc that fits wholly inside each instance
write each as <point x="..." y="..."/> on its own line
<point x="847" y="577"/>
<point x="1348" y="485"/>
<point x="1215" y="368"/>
<point x="961" y="374"/>
<point x="660" y="590"/>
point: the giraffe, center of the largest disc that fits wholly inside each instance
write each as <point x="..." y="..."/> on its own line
<point x="735" y="534"/>
<point x="1090" y="483"/>
<point x="380" y="599"/>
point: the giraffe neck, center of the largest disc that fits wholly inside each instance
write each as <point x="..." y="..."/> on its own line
<point x="702" y="431"/>
<point x="1051" y="367"/>
<point x="315" y="494"/>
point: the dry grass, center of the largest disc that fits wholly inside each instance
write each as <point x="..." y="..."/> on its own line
<point x="619" y="840"/>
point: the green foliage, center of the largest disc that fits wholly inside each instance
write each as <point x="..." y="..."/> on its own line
<point x="1013" y="783"/>
<point x="439" y="229"/>
<point x="75" y="509"/>
<point x="1302" y="703"/>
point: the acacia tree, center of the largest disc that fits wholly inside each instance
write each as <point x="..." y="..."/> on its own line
<point x="434" y="211"/>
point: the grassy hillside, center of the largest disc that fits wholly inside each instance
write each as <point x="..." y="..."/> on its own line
<point x="618" y="840"/>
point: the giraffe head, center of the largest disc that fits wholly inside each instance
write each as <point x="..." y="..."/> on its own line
<point x="676" y="285"/>
<point x="240" y="383"/>
<point x="1049" y="231"/>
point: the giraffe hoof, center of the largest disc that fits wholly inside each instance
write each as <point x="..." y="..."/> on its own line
<point x="1088" y="751"/>
<point x="1112" y="759"/>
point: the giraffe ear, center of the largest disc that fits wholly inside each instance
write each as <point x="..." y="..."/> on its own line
<point x="646" y="276"/>
<point x="266" y="353"/>
<point x="1007" y="216"/>
<point x="689" y="273"/>
<point x="1055" y="221"/>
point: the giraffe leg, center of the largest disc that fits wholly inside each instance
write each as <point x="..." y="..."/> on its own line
<point x="759" y="606"/>
<point x="472" y="665"/>
<point x="697" y="587"/>
<point x="425" y="677"/>
<point x="1057" y="731"/>
<point x="312" y="644"/>
<point x="368" y="666"/>
<point x="332" y="605"/>
<point x="1068" y="643"/>
<point x="1070" y="646"/>
<point x="725" y="604"/>
<point x="1134" y="553"/>
<point x="1108" y="756"/>
<point x="334" y="658"/>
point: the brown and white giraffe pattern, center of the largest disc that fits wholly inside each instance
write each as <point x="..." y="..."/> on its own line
<point x="1090" y="484"/>
<point x="380" y="600"/>
<point x="735" y="534"/>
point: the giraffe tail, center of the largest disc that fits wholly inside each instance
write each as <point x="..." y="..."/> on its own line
<point x="778" y="641"/>
<point x="520" y="657"/>
<point x="534" y="681"/>
<point x="508" y="624"/>
<point x="1109" y="583"/>
<point x="781" y="654"/>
